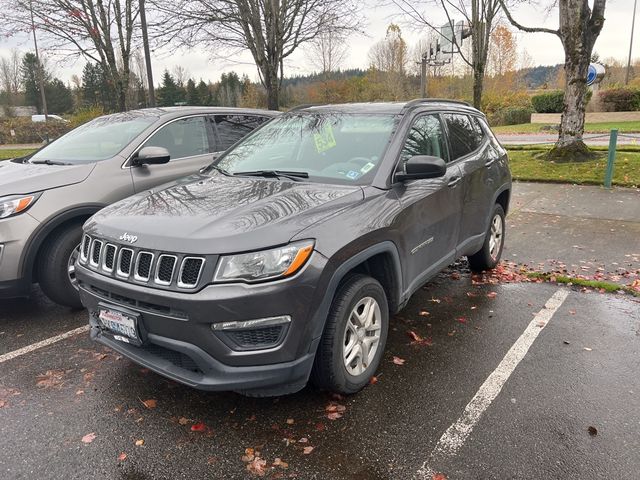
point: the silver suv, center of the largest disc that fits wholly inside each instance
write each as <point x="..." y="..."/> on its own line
<point x="46" y="197"/>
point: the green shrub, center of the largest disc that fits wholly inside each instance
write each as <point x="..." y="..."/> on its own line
<point x="620" y="99"/>
<point x="26" y="131"/>
<point x="85" y="114"/>
<point x="548" y="102"/>
<point x="515" y="115"/>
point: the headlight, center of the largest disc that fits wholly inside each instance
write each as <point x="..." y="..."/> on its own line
<point x="16" y="204"/>
<point x="264" y="265"/>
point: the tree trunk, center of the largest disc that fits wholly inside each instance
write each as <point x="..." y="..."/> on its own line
<point x="478" y="85"/>
<point x="272" y="86"/>
<point x="572" y="122"/>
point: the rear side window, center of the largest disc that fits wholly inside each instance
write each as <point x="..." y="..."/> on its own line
<point x="425" y="138"/>
<point x="183" y="138"/>
<point x="231" y="128"/>
<point x="465" y="134"/>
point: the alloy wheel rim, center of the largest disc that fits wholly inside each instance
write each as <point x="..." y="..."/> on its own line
<point x="495" y="240"/>
<point x="71" y="267"/>
<point x="361" y="336"/>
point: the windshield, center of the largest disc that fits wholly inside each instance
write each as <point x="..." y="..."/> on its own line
<point x="331" y="147"/>
<point x="97" y="140"/>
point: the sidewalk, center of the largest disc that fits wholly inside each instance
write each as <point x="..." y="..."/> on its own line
<point x="20" y="146"/>
<point x="592" y="139"/>
<point x="576" y="230"/>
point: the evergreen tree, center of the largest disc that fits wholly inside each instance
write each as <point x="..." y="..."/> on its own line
<point x="204" y="92"/>
<point x="193" y="97"/>
<point x="229" y="90"/>
<point x="169" y="93"/>
<point x="29" y="74"/>
<point x="59" y="97"/>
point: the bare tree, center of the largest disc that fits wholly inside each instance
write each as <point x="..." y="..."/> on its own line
<point x="271" y="30"/>
<point x="10" y="75"/>
<point x="102" y="32"/>
<point x="479" y="15"/>
<point x="327" y="52"/>
<point x="578" y="30"/>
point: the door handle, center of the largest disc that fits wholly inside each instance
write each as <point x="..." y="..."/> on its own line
<point x="453" y="182"/>
<point x="489" y="162"/>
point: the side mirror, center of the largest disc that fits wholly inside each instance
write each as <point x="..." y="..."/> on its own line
<point x="152" y="156"/>
<point x="422" y="166"/>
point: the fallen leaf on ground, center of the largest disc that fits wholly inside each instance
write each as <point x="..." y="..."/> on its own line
<point x="290" y="421"/>
<point x="183" y="420"/>
<point x="398" y="360"/>
<point x="492" y="295"/>
<point x="50" y="379"/>
<point x="151" y="403"/>
<point x="307" y="450"/>
<point x="587" y="349"/>
<point x="303" y="440"/>
<point x="461" y="320"/>
<point x="373" y="380"/>
<point x="122" y="456"/>
<point x="334" y="415"/>
<point x="593" y="431"/>
<point x="438" y="476"/>
<point x="279" y="463"/>
<point x="89" y="437"/>
<point x="2" y="403"/>
<point x="424" y="313"/>
<point x="139" y="443"/>
<point x="320" y="427"/>
<point x="257" y="467"/>
<point x="198" y="427"/>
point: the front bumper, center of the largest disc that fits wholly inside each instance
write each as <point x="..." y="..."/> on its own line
<point x="178" y="340"/>
<point x="14" y="235"/>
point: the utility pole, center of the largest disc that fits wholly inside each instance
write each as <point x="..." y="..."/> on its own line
<point x="633" y="24"/>
<point x="423" y="76"/>
<point x="147" y="54"/>
<point x="39" y="68"/>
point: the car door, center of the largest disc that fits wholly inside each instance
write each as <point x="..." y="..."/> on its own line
<point x="469" y="146"/>
<point x="188" y="141"/>
<point x="230" y="128"/>
<point x="431" y="208"/>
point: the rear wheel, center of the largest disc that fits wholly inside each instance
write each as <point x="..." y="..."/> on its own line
<point x="56" y="266"/>
<point x="489" y="255"/>
<point x="355" y="334"/>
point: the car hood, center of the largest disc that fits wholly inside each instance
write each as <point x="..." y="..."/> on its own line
<point x="17" y="177"/>
<point x="220" y="214"/>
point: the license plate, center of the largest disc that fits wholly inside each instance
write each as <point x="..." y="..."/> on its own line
<point x="123" y="326"/>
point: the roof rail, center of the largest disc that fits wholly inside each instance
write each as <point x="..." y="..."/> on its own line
<point x="304" y="105"/>
<point x="420" y="101"/>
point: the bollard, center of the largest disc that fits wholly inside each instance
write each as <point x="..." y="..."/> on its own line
<point x="613" y="141"/>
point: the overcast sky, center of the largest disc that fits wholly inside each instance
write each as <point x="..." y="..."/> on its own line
<point x="544" y="49"/>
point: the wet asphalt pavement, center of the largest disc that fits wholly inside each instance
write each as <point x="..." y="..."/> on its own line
<point x="580" y="372"/>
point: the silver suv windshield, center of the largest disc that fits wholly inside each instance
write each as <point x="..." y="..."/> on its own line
<point x="96" y="140"/>
<point x="331" y="147"/>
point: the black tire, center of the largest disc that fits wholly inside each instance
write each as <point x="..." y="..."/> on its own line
<point x="53" y="263"/>
<point x="329" y="370"/>
<point x="483" y="259"/>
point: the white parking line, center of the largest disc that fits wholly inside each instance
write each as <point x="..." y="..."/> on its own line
<point x="44" y="343"/>
<point x="456" y="434"/>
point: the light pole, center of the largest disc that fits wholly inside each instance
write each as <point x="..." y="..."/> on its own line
<point x="39" y="68"/>
<point x="633" y="24"/>
<point x="147" y="54"/>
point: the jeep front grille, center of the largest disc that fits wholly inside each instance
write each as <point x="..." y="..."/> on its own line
<point x="190" y="272"/>
<point x="143" y="266"/>
<point x="165" y="270"/>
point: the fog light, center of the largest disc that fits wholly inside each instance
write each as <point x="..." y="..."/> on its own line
<point x="249" y="324"/>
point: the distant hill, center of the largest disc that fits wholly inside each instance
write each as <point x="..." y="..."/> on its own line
<point x="536" y="77"/>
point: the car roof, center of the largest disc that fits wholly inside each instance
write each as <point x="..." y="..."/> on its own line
<point x="174" y="112"/>
<point x="393" y="108"/>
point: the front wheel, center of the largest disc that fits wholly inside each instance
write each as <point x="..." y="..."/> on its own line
<point x="56" y="266"/>
<point x="354" y="337"/>
<point x="489" y="255"/>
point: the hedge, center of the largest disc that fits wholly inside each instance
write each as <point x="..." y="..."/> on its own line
<point x="552" y="101"/>
<point x="620" y="99"/>
<point x="26" y="131"/>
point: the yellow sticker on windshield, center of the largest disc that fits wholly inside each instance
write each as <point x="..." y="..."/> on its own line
<point x="324" y="139"/>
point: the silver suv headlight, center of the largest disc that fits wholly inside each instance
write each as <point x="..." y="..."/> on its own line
<point x="265" y="264"/>
<point x="15" y="204"/>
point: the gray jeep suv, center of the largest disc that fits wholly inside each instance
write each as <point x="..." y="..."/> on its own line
<point x="285" y="258"/>
<point x="46" y="197"/>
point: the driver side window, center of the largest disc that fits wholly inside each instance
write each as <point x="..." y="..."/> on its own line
<point x="183" y="138"/>
<point x="425" y="138"/>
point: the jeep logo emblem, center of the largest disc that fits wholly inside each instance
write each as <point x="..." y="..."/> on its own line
<point x="125" y="237"/>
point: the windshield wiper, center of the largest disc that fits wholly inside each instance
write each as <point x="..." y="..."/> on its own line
<point x="49" y="162"/>
<point x="214" y="167"/>
<point x="295" y="176"/>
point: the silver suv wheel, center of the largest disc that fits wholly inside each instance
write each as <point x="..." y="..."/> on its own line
<point x="361" y="336"/>
<point x="495" y="240"/>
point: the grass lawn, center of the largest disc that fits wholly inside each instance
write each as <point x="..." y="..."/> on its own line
<point x="623" y="127"/>
<point x="13" y="153"/>
<point x="528" y="166"/>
